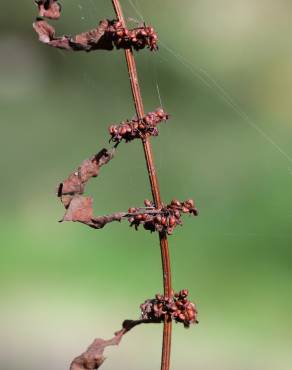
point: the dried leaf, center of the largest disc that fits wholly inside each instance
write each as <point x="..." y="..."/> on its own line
<point x="49" y="9"/>
<point x="94" y="39"/>
<point x="80" y="209"/>
<point x="45" y="31"/>
<point x="93" y="357"/>
<point x="75" y="183"/>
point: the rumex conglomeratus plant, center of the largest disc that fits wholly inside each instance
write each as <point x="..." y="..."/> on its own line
<point x="155" y="215"/>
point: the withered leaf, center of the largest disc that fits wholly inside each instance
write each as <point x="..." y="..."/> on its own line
<point x="93" y="357"/>
<point x="80" y="209"/>
<point x="49" y="8"/>
<point x="45" y="31"/>
<point x="97" y="38"/>
<point x="75" y="183"/>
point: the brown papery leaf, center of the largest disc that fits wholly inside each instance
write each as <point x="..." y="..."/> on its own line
<point x="80" y="210"/>
<point x="93" y="357"/>
<point x="97" y="38"/>
<point x="75" y="183"/>
<point x="49" y="9"/>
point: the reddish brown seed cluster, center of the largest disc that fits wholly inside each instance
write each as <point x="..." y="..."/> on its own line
<point x="164" y="219"/>
<point x="177" y="307"/>
<point x="135" y="129"/>
<point x="136" y="38"/>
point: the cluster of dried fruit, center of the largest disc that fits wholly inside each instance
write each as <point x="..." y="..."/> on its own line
<point x="106" y="36"/>
<point x="177" y="307"/>
<point x="136" y="128"/>
<point x="138" y="38"/>
<point x="164" y="219"/>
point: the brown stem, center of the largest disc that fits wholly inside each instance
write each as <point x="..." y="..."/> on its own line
<point x="166" y="347"/>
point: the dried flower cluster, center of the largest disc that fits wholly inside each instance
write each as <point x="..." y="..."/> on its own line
<point x="177" y="307"/>
<point x="138" y="129"/>
<point x="106" y="36"/>
<point x="137" y="38"/>
<point x="166" y="218"/>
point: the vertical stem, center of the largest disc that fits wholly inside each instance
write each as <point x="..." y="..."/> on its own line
<point x="167" y="328"/>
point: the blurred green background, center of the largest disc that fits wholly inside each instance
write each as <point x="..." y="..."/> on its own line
<point x="224" y="72"/>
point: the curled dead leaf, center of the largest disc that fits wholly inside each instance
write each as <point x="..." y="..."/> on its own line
<point x="93" y="357"/>
<point x="49" y="8"/>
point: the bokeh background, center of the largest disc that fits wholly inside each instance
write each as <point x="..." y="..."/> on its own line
<point x="224" y="73"/>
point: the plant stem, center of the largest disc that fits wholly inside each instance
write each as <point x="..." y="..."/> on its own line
<point x="167" y="329"/>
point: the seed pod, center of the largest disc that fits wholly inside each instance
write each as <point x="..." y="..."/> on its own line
<point x="111" y="130"/>
<point x="177" y="214"/>
<point x="132" y="210"/>
<point x="190" y="202"/>
<point x="191" y="314"/>
<point x="148" y="203"/>
<point x="176" y="203"/>
<point x="184" y="292"/>
<point x="158" y="219"/>
<point x="160" y="113"/>
<point x="172" y="221"/>
<point x="120" y="33"/>
<point x="147" y="120"/>
<point x="173" y="307"/>
<point x="182" y="317"/>
<point x="123" y="130"/>
<point x="163" y="220"/>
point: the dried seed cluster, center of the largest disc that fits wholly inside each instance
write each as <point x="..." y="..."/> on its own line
<point x="138" y="38"/>
<point x="164" y="219"/>
<point x="136" y="128"/>
<point x="177" y="307"/>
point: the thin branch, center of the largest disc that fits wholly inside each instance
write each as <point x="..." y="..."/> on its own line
<point x="166" y="346"/>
